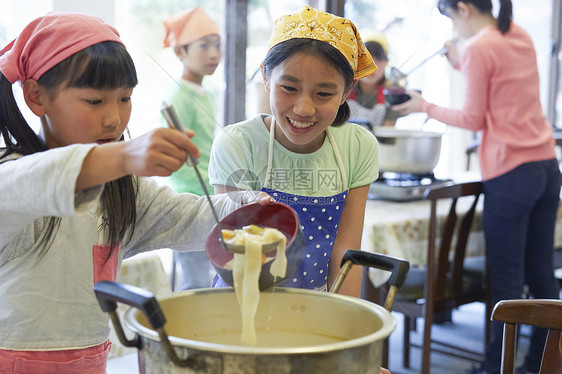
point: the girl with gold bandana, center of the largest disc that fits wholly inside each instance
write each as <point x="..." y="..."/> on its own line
<point x="304" y="153"/>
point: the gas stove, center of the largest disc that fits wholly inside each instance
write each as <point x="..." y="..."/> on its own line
<point x="404" y="186"/>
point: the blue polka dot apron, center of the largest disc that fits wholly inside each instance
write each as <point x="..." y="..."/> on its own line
<point x="319" y="218"/>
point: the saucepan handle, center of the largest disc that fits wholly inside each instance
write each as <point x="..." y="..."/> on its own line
<point x="398" y="267"/>
<point x="109" y="293"/>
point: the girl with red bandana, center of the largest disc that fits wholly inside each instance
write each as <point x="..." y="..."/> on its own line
<point x="73" y="200"/>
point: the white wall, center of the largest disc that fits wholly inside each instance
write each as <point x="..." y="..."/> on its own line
<point x="105" y="9"/>
<point x="534" y="16"/>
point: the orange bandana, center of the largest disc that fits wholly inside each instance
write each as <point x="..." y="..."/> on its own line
<point x="49" y="40"/>
<point x="186" y="27"/>
<point x="341" y="33"/>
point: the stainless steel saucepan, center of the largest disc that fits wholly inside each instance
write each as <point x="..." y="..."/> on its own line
<point x="408" y="151"/>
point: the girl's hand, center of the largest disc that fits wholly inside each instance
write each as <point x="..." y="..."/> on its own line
<point x="410" y="106"/>
<point x="385" y="371"/>
<point x="159" y="152"/>
<point x="265" y="199"/>
<point x="249" y="196"/>
<point x="452" y="53"/>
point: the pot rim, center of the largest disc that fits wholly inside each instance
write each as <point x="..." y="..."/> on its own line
<point x="388" y="326"/>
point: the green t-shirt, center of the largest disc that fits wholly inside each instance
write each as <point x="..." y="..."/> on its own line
<point x="239" y="159"/>
<point x="195" y="111"/>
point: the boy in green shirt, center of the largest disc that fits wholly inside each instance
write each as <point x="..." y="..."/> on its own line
<point x="196" y="41"/>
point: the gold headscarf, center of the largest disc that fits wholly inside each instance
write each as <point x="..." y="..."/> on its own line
<point x="341" y="33"/>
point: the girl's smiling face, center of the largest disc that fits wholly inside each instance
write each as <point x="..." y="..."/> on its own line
<point x="305" y="94"/>
<point x="85" y="115"/>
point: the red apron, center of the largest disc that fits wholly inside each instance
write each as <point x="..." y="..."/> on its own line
<point x="92" y="360"/>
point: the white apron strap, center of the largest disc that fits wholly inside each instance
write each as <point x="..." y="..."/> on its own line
<point x="270" y="155"/>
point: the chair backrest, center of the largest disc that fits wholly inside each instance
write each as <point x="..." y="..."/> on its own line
<point x="440" y="272"/>
<point x="535" y="312"/>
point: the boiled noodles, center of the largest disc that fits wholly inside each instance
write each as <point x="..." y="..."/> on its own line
<point x="246" y="269"/>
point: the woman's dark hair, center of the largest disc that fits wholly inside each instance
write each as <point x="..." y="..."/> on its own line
<point x="106" y="65"/>
<point x="378" y="53"/>
<point x="282" y="51"/>
<point x="484" y="6"/>
<point x="376" y="50"/>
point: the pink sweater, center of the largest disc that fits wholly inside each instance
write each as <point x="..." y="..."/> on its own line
<point x="502" y="100"/>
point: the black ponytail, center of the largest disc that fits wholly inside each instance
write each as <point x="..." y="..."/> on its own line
<point x="18" y="136"/>
<point x="505" y="15"/>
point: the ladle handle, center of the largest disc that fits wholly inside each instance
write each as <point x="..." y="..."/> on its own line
<point x="441" y="51"/>
<point x="173" y="121"/>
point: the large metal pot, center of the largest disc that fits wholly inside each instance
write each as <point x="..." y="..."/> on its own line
<point x="298" y="331"/>
<point x="408" y="151"/>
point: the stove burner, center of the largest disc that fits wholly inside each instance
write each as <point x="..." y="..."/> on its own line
<point x="403" y="186"/>
<point x="408" y="179"/>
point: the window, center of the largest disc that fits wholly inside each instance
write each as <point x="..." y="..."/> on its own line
<point x="413" y="28"/>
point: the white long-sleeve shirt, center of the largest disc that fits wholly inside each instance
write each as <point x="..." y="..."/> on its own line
<point x="48" y="303"/>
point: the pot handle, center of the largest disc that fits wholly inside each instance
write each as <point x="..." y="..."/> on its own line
<point x="398" y="267"/>
<point x="109" y="293"/>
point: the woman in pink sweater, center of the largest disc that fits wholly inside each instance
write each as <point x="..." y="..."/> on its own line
<point x="517" y="160"/>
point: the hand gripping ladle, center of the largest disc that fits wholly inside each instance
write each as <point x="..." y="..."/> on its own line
<point x="173" y="121"/>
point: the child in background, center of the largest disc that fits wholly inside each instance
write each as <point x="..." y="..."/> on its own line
<point x="305" y="154"/>
<point x="195" y="38"/>
<point x="73" y="199"/>
<point x="367" y="101"/>
<point x="520" y="173"/>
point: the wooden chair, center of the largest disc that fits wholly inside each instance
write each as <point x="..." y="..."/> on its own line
<point x="535" y="312"/>
<point x="470" y="149"/>
<point x="448" y="280"/>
